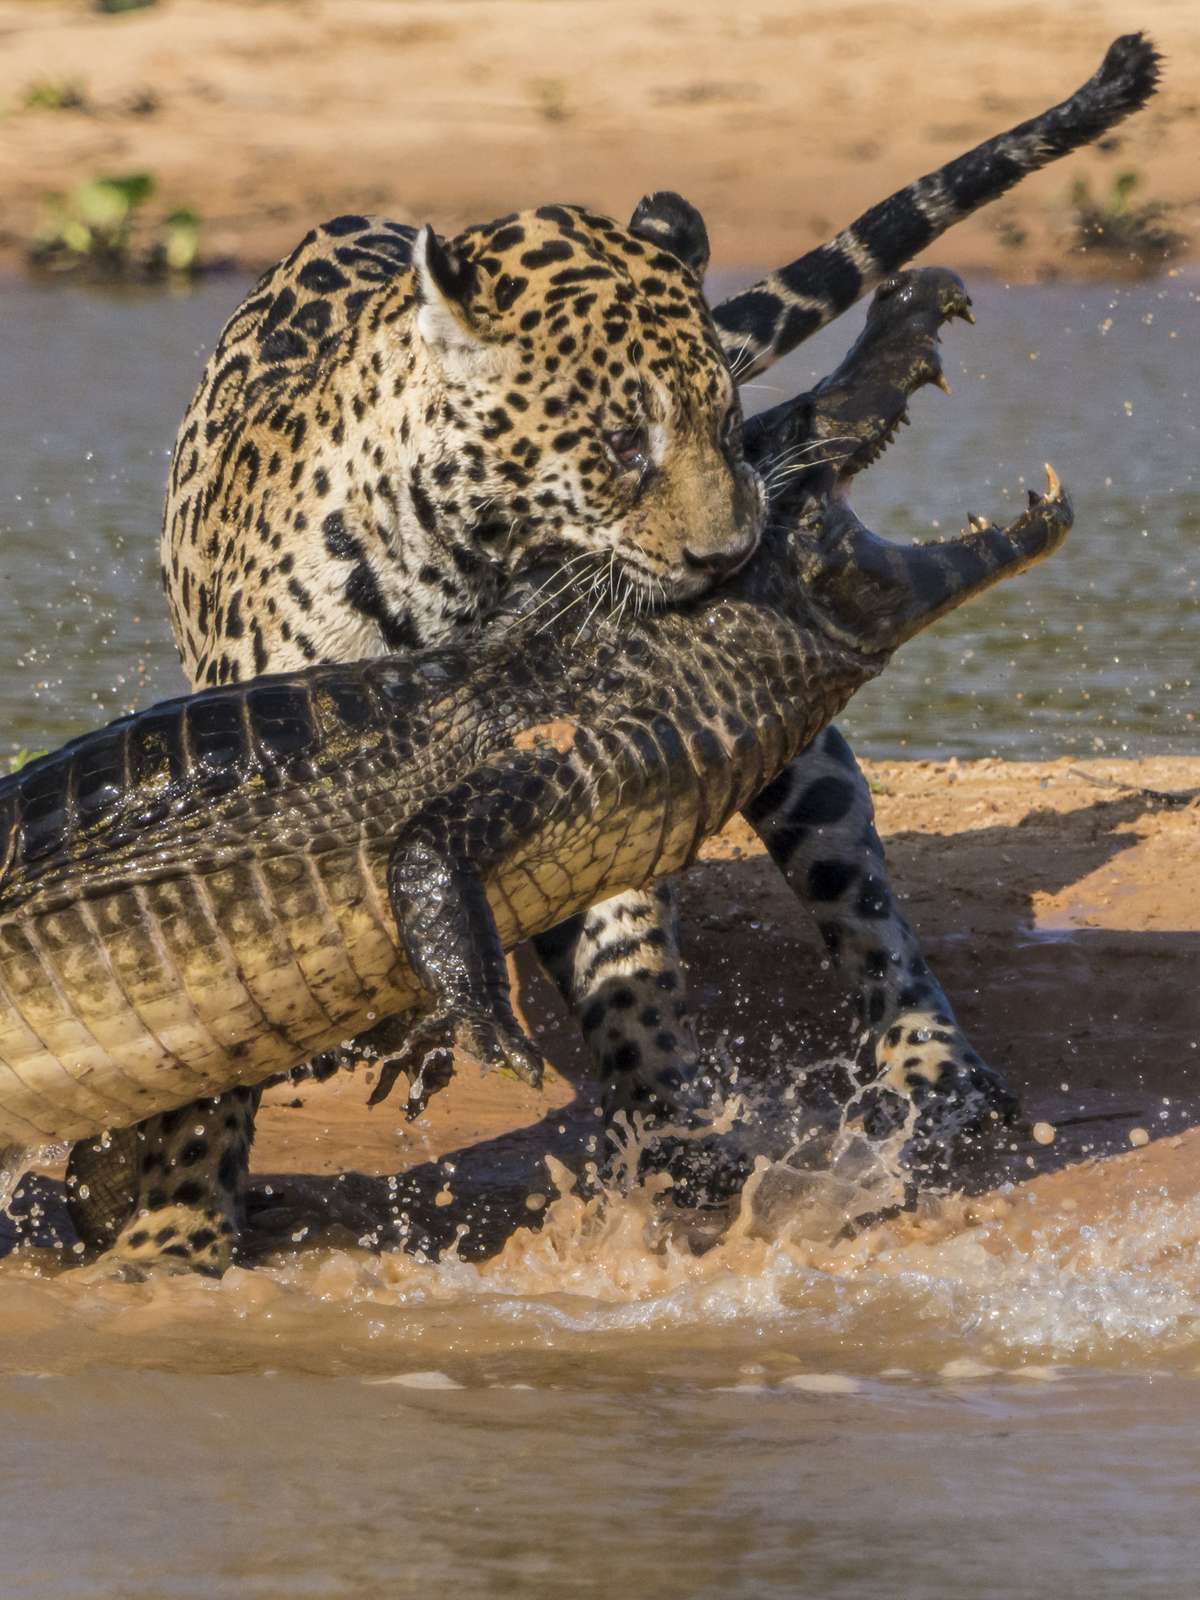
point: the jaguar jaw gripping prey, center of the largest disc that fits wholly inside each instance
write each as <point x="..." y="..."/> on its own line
<point x="212" y="891"/>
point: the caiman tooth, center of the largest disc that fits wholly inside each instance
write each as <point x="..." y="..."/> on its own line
<point x="978" y="524"/>
<point x="1035" y="498"/>
<point x="940" y="381"/>
<point x="1053" y="486"/>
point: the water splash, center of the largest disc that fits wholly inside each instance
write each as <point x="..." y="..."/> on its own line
<point x="15" y="1162"/>
<point x="1083" y="1267"/>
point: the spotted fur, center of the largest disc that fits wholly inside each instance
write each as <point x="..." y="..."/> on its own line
<point x="389" y="427"/>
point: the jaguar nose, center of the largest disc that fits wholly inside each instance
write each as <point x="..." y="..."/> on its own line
<point x="719" y="563"/>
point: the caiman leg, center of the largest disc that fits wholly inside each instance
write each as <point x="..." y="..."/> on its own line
<point x="448" y="931"/>
<point x="818" y="824"/>
<point x="436" y="882"/>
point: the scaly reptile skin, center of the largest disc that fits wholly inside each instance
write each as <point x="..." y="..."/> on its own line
<point x="617" y="964"/>
<point x="216" y="889"/>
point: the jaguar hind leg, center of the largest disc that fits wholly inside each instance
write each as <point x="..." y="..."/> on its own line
<point x="818" y="824"/>
<point x="168" y="1193"/>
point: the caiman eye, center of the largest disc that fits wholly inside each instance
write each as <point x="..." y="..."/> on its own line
<point x="729" y="433"/>
<point x="630" y="449"/>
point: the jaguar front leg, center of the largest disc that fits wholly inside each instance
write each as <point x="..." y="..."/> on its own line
<point x="619" y="967"/>
<point x="817" y="822"/>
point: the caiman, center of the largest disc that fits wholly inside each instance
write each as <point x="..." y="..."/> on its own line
<point x="218" y="888"/>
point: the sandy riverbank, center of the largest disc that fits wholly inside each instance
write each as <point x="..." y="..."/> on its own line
<point x="781" y="121"/>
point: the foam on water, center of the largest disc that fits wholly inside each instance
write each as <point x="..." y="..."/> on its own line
<point x="1008" y="1284"/>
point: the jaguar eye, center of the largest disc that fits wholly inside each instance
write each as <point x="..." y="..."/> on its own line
<point x="629" y="448"/>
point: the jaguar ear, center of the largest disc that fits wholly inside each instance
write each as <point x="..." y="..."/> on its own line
<point x="673" y="223"/>
<point x="444" y="284"/>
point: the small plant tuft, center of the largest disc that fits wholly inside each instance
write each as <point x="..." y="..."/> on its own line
<point x="55" y="94"/>
<point x="97" y="231"/>
<point x="1138" y="235"/>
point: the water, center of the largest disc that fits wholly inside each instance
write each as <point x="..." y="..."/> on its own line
<point x="1000" y="1402"/>
<point x="1090" y="654"/>
<point x="997" y="1397"/>
<point x="307" y="1487"/>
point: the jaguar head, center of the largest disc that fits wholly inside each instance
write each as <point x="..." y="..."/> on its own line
<point x="587" y="406"/>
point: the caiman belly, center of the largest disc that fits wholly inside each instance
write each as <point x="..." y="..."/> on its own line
<point x="117" y="1007"/>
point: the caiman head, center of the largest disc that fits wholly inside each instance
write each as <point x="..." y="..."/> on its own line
<point x="817" y="556"/>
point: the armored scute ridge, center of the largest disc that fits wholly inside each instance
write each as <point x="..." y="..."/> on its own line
<point x="221" y="887"/>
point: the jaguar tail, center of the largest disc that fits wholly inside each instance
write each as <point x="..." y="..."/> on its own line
<point x="765" y="321"/>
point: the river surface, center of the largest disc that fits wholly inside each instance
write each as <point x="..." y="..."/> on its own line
<point x="1092" y="654"/>
<point x="960" y="1409"/>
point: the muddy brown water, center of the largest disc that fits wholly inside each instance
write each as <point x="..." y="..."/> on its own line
<point x="998" y="1397"/>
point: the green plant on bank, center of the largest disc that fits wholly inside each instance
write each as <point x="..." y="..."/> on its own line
<point x="114" y="8"/>
<point x="1118" y="227"/>
<point x="178" y="248"/>
<point x="96" y="230"/>
<point x="54" y="94"/>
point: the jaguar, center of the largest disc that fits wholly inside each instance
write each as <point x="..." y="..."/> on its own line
<point x="392" y="426"/>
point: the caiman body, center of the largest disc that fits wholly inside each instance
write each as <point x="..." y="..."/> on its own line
<point x="206" y="893"/>
<point x="197" y="896"/>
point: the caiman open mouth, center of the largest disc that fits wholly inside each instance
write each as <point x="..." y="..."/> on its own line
<point x="821" y="441"/>
<point x="953" y="304"/>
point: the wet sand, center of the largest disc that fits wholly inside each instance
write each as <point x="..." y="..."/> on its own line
<point x="781" y="122"/>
